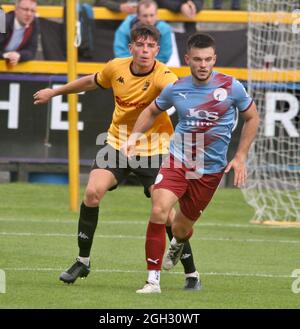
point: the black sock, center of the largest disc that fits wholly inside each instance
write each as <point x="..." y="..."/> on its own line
<point x="86" y="228"/>
<point x="187" y="259"/>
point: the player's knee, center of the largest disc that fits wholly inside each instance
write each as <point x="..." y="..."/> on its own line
<point x="159" y="214"/>
<point x="93" y="196"/>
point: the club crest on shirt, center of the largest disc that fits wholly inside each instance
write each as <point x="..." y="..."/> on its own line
<point x="146" y="85"/>
<point x="159" y="178"/>
<point x="220" y="94"/>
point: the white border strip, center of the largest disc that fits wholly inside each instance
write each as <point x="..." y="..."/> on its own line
<point x="138" y="222"/>
<point x="142" y="237"/>
<point x="47" y="269"/>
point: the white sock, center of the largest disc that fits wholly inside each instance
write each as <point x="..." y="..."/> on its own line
<point x="154" y="276"/>
<point x="84" y="260"/>
<point x="192" y="275"/>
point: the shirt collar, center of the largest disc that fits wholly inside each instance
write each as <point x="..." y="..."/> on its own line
<point x="18" y="26"/>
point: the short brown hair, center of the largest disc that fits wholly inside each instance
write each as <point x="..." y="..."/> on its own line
<point x="201" y="40"/>
<point x="144" y="31"/>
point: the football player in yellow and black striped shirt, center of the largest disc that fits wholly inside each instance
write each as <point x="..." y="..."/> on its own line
<point x="136" y="81"/>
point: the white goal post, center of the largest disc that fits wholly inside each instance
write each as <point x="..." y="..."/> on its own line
<point x="273" y="187"/>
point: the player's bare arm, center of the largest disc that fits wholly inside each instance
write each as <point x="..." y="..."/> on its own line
<point x="143" y="123"/>
<point x="238" y="163"/>
<point x="83" y="84"/>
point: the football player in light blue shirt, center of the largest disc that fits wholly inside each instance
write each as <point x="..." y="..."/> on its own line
<point x="205" y="102"/>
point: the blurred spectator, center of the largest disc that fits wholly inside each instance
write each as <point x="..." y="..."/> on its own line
<point x="235" y="4"/>
<point x="123" y="6"/>
<point x="146" y="14"/>
<point x="19" y="43"/>
<point x="188" y="8"/>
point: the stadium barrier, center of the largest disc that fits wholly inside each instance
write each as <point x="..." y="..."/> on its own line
<point x="57" y="67"/>
<point x="205" y="16"/>
<point x="225" y="16"/>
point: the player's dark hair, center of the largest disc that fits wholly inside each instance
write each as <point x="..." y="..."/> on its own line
<point x="200" y="40"/>
<point x="144" y="31"/>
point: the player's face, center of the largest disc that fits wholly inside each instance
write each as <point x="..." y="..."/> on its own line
<point x="201" y="62"/>
<point x="143" y="51"/>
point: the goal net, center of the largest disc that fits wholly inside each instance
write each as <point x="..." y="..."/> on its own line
<point x="273" y="187"/>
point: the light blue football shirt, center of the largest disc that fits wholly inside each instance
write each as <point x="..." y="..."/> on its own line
<point x="206" y="115"/>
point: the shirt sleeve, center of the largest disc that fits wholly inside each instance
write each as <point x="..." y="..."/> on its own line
<point x="113" y="5"/>
<point x="164" y="77"/>
<point x="103" y="78"/>
<point x="165" y="100"/>
<point x="242" y="100"/>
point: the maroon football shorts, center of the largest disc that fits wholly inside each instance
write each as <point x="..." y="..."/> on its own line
<point x="193" y="194"/>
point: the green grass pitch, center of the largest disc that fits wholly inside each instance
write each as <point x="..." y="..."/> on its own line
<point x="241" y="265"/>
